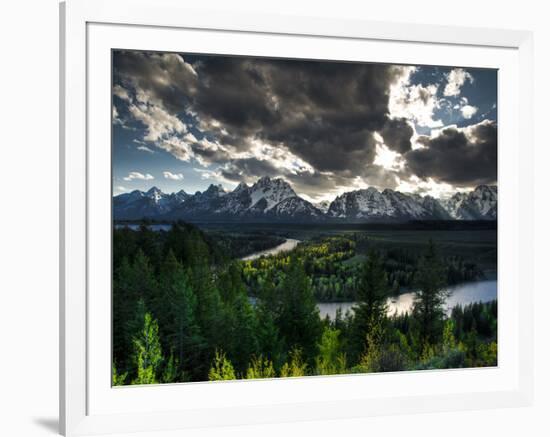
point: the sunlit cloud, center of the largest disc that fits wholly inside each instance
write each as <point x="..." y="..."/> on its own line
<point x="455" y="80"/>
<point x="414" y="101"/>
<point x="173" y="176"/>
<point x="133" y="175"/>
<point x="229" y="120"/>
<point x="440" y="190"/>
<point x="468" y="111"/>
<point x="388" y="159"/>
<point x="145" y="149"/>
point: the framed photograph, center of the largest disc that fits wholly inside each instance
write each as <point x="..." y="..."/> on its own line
<point x="274" y="218"/>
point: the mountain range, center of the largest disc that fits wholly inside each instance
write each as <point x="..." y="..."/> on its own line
<point x="274" y="200"/>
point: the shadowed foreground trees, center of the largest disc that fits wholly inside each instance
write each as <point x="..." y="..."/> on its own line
<point x="182" y="312"/>
<point x="430" y="297"/>
<point x="370" y="314"/>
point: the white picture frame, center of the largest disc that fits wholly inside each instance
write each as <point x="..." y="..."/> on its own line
<point x="88" y="404"/>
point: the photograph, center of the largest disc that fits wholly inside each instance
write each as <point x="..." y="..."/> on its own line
<point x="279" y="217"/>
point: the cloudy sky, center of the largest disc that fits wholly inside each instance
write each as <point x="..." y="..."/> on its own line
<point x="186" y="121"/>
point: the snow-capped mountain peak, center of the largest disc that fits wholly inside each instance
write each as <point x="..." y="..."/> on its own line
<point x="155" y="194"/>
<point x="479" y="204"/>
<point x="359" y="204"/>
<point x="267" y="193"/>
<point x="274" y="199"/>
<point x="214" y="190"/>
<point x="241" y="187"/>
<point x="181" y="196"/>
<point x="370" y="204"/>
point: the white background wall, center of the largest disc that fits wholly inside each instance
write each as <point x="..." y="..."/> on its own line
<point x="29" y="223"/>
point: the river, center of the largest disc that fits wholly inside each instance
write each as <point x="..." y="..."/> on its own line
<point x="463" y="294"/>
<point x="287" y="246"/>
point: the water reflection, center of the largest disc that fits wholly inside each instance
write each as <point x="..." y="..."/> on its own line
<point x="463" y="294"/>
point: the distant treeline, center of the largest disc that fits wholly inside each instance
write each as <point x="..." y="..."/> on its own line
<point x="334" y="266"/>
<point x="182" y="312"/>
<point x="240" y="245"/>
<point x="413" y="225"/>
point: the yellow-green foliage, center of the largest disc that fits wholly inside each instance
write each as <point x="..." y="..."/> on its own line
<point x="260" y="368"/>
<point x="370" y="360"/>
<point x="199" y="296"/>
<point x="489" y="354"/>
<point x="321" y="256"/>
<point x="449" y="341"/>
<point x="296" y="366"/>
<point x="170" y="373"/>
<point x="147" y="352"/>
<point x="485" y="355"/>
<point x="331" y="360"/>
<point x="428" y="352"/>
<point x="118" y="379"/>
<point x="222" y="369"/>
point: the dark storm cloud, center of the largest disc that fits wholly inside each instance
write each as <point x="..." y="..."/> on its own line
<point x="248" y="170"/>
<point x="313" y="123"/>
<point x="397" y="135"/>
<point x="325" y="113"/>
<point x="232" y="92"/>
<point x="164" y="78"/>
<point x="209" y="153"/>
<point x="458" y="156"/>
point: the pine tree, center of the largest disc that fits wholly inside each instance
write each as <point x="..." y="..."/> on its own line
<point x="371" y="311"/>
<point x="296" y="366"/>
<point x="260" y="368"/>
<point x="210" y="313"/>
<point x="132" y="283"/>
<point x="170" y="280"/>
<point x="117" y="378"/>
<point x="231" y="284"/>
<point x="222" y="369"/>
<point x="449" y="341"/>
<point x="370" y="360"/>
<point x="430" y="297"/>
<point x="330" y="360"/>
<point x="299" y="322"/>
<point x="180" y="331"/>
<point x="147" y="242"/>
<point x="242" y="343"/>
<point x="147" y="351"/>
<point x="124" y="305"/>
<point x="270" y="342"/>
<point x="170" y="372"/>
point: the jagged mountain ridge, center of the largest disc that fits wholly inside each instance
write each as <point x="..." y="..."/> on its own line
<point x="274" y="200"/>
<point x="371" y="204"/>
<point x="138" y="204"/>
<point x="479" y="204"/>
<point x="267" y="199"/>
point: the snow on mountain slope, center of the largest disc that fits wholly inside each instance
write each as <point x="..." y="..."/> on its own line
<point x="323" y="205"/>
<point x="149" y="204"/>
<point x="274" y="199"/>
<point x="479" y="204"/>
<point x="243" y="202"/>
<point x="370" y="204"/>
<point x="295" y="208"/>
<point x="272" y="190"/>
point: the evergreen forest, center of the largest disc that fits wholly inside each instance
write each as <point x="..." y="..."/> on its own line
<point x="187" y="308"/>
